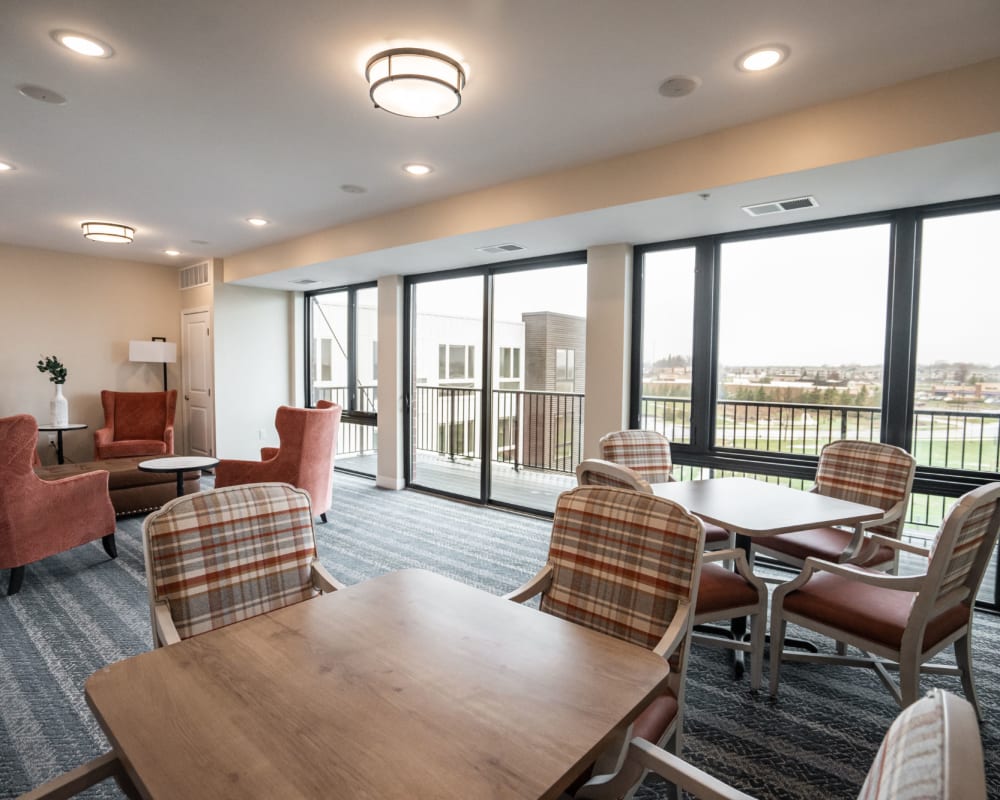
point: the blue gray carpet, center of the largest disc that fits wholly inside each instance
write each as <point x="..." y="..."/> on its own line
<point x="79" y="611"/>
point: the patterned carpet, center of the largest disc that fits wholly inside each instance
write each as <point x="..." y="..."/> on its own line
<point x="79" y="611"/>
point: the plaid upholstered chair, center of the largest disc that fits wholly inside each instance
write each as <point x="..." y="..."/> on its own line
<point x="905" y="619"/>
<point x="647" y="453"/>
<point x="627" y="564"/>
<point x="222" y="556"/>
<point x="863" y="472"/>
<point x="932" y="750"/>
<point x="722" y="593"/>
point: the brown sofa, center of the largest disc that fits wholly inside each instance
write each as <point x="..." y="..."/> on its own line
<point x="132" y="491"/>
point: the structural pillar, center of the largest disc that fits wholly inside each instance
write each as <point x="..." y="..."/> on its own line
<point x="389" y="472"/>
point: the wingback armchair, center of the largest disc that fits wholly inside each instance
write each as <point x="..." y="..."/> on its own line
<point x="136" y="424"/>
<point x="307" y="439"/>
<point x="41" y="518"/>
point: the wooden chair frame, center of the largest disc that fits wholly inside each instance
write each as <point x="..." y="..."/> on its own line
<point x="71" y="783"/>
<point x="909" y="659"/>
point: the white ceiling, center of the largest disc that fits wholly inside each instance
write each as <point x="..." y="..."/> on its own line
<point x="212" y="111"/>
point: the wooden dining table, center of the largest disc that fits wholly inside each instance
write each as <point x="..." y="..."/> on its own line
<point x="407" y="685"/>
<point x="756" y="509"/>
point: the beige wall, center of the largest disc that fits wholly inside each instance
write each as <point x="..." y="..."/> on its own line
<point x="938" y="108"/>
<point x="84" y="310"/>
<point x="253" y="366"/>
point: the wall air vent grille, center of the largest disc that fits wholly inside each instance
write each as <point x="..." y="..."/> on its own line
<point x="305" y="281"/>
<point x="196" y="275"/>
<point x="508" y="247"/>
<point x="780" y="206"/>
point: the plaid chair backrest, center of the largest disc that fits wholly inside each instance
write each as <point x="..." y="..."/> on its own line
<point x="870" y="473"/>
<point x="597" y="472"/>
<point x="910" y="764"/>
<point x="976" y="515"/>
<point x="622" y="561"/>
<point x="222" y="556"/>
<point x="646" y="452"/>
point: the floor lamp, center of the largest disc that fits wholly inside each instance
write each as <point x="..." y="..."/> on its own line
<point x="156" y="351"/>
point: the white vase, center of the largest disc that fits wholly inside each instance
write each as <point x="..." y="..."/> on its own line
<point x="59" y="408"/>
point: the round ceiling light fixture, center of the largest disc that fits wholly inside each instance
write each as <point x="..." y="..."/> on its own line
<point x="761" y="58"/>
<point x="84" y="45"/>
<point x="6" y="166"/>
<point x="172" y="253"/>
<point x="257" y="222"/>
<point x="418" y="170"/>
<point x="110" y="232"/>
<point x="413" y="82"/>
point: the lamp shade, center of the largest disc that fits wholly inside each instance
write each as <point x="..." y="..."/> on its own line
<point x="152" y="352"/>
<point x="411" y="82"/>
<point x="110" y="232"/>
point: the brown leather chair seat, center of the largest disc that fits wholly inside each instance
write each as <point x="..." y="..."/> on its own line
<point x="720" y="588"/>
<point x="872" y="612"/>
<point x="825" y="543"/>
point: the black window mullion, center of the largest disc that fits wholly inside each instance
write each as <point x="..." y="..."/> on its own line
<point x="703" y="356"/>
<point x="352" y="350"/>
<point x="486" y="404"/>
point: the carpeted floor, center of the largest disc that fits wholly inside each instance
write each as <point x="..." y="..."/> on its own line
<point x="79" y="611"/>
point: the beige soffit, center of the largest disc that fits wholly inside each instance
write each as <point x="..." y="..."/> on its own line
<point x="938" y="108"/>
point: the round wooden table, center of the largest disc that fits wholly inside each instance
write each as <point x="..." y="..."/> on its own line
<point x="58" y="430"/>
<point x="178" y="465"/>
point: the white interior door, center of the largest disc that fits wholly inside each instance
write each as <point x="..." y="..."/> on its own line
<point x="196" y="379"/>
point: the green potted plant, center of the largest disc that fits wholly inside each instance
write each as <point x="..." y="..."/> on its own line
<point x="58" y="408"/>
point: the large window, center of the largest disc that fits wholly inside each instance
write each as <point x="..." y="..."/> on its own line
<point x="343" y="368"/>
<point x="496" y="405"/>
<point x="877" y="328"/>
<point x="801" y="339"/>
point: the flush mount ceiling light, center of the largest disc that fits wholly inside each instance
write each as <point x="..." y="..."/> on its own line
<point x="257" y="222"/>
<point x="761" y="58"/>
<point x="110" y="232"/>
<point x="84" y="45"/>
<point x="172" y="253"/>
<point x="412" y="82"/>
<point x="418" y="169"/>
<point x="6" y="166"/>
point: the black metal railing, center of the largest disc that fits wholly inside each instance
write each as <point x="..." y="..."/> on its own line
<point x="792" y="428"/>
<point x="353" y="438"/>
<point x="534" y="429"/>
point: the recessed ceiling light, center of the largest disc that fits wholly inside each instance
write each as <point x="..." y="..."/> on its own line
<point x="172" y="253"/>
<point x="40" y="93"/>
<point x="257" y="222"/>
<point x="84" y="45"/>
<point x="761" y="58"/>
<point x="110" y="232"/>
<point x="417" y="169"/>
<point x="6" y="167"/>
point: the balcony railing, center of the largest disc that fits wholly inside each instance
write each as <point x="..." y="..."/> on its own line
<point x="353" y="438"/>
<point x="534" y="429"/>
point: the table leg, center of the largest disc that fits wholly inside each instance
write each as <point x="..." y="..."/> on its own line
<point x="180" y="482"/>
<point x="59" y="447"/>
<point x="738" y="625"/>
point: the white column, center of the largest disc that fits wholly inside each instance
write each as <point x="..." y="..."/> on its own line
<point x="389" y="473"/>
<point x="609" y="324"/>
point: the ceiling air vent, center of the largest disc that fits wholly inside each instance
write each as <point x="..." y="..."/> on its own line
<point x="305" y="281"/>
<point x="196" y="275"/>
<point x="493" y="249"/>
<point x="780" y="206"/>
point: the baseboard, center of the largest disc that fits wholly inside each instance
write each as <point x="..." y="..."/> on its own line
<point x="383" y="482"/>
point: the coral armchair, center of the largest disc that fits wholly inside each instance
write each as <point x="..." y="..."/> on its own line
<point x="136" y="424"/>
<point x="41" y="518"/>
<point x="304" y="458"/>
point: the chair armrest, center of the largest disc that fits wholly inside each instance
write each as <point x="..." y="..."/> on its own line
<point x="536" y="585"/>
<point x="739" y="559"/>
<point x="323" y="580"/>
<point x="680" y="772"/>
<point x="103" y="436"/>
<point x="267" y="453"/>
<point x="677" y="630"/>
<point x="168" y="438"/>
<point x="166" y="632"/>
<point x="906" y="583"/>
<point x="234" y="472"/>
<point x="896" y="544"/>
<point x="76" y="780"/>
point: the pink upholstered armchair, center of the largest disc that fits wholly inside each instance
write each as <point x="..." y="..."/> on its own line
<point x="304" y="458"/>
<point x="136" y="424"/>
<point x="41" y="518"/>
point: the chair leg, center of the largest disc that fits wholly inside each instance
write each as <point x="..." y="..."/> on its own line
<point x="16" y="579"/>
<point x="323" y="516"/>
<point x="757" y="634"/>
<point x="110" y="546"/>
<point x="909" y="679"/>
<point x="963" y="657"/>
<point x="777" y="645"/>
